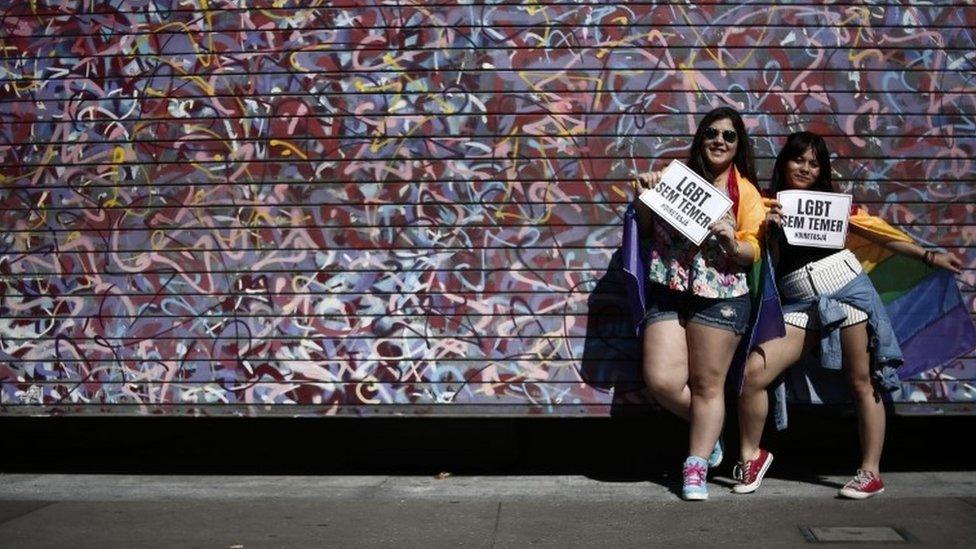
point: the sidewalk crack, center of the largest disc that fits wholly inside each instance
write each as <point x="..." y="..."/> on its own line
<point x="494" y="533"/>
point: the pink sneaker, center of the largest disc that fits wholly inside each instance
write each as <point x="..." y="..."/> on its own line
<point x="750" y="474"/>
<point x="694" y="472"/>
<point x="864" y="485"/>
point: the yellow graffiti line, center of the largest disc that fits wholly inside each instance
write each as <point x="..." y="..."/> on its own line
<point x="370" y="383"/>
<point x="29" y="86"/>
<point x="649" y="36"/>
<point x="362" y="87"/>
<point x="689" y="71"/>
<point x="862" y="17"/>
<point x="762" y="38"/>
<point x="187" y="128"/>
<point x="396" y="86"/>
<point x="204" y="58"/>
<point x="31" y="173"/>
<point x="859" y="36"/>
<point x="156" y="239"/>
<point x="715" y="57"/>
<point x="255" y="216"/>
<point x="41" y="213"/>
<point x="533" y="8"/>
<point x="516" y="141"/>
<point x="299" y="14"/>
<point x="857" y="58"/>
<point x="204" y="169"/>
<point x="118" y="157"/>
<point x="210" y="58"/>
<point x="694" y="54"/>
<point x="299" y="283"/>
<point x="378" y="144"/>
<point x="187" y="76"/>
<point x="199" y="196"/>
<point x="237" y="234"/>
<point x="208" y="15"/>
<point x="598" y="94"/>
<point x="293" y="60"/>
<point x="49" y="154"/>
<point x="859" y="14"/>
<point x="289" y="148"/>
<point x="515" y="145"/>
<point x="129" y="212"/>
<point x="390" y="61"/>
<point x="200" y="82"/>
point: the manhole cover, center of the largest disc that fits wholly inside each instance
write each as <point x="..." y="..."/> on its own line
<point x="834" y="534"/>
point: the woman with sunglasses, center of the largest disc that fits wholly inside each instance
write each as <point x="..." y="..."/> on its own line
<point x="697" y="297"/>
<point x="810" y="280"/>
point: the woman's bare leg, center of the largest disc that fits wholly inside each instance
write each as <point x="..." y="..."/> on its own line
<point x="666" y="366"/>
<point x="870" y="408"/>
<point x="710" y="353"/>
<point x="763" y="366"/>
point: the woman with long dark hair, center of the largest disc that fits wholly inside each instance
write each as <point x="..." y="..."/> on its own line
<point x="814" y="284"/>
<point x="697" y="300"/>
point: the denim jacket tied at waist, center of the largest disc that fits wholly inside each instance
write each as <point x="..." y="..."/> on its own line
<point x="883" y="345"/>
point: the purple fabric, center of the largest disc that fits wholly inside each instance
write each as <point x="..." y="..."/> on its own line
<point x="950" y="336"/>
<point x="767" y="319"/>
<point x="634" y="268"/>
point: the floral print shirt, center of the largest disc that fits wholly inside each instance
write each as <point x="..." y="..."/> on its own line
<point x="706" y="270"/>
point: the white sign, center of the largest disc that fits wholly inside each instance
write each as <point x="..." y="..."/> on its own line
<point x="686" y="201"/>
<point x="812" y="218"/>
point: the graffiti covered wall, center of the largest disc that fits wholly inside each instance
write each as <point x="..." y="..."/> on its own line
<point x="370" y="207"/>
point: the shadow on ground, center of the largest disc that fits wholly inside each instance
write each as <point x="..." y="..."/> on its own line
<point x="819" y="442"/>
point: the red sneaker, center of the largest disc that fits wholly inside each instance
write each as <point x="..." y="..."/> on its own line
<point x="864" y="485"/>
<point x="751" y="473"/>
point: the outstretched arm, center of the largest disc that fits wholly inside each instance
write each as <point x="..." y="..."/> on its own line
<point x="905" y="246"/>
<point x="942" y="260"/>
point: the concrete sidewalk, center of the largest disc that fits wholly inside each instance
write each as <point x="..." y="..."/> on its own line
<point x="936" y="509"/>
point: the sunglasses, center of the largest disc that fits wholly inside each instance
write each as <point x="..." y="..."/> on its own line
<point x="728" y="135"/>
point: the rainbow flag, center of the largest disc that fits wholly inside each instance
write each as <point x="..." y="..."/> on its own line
<point x="926" y="308"/>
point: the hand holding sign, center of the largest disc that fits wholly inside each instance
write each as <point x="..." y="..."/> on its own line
<point x="647" y="181"/>
<point x="813" y="218"/>
<point x="686" y="201"/>
<point x="724" y="231"/>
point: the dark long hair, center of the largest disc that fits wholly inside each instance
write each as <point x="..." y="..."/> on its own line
<point x="743" y="154"/>
<point x="797" y="144"/>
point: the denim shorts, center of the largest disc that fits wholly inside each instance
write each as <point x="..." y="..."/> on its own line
<point x="731" y="314"/>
